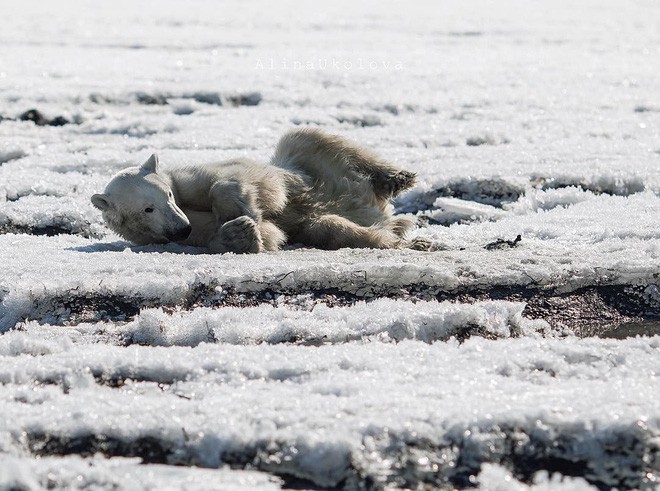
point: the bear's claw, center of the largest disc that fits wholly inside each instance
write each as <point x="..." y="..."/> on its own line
<point x="419" y="244"/>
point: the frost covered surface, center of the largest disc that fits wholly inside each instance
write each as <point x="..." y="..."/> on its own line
<point x="385" y="320"/>
<point x="121" y="473"/>
<point x="520" y="120"/>
<point x="312" y="412"/>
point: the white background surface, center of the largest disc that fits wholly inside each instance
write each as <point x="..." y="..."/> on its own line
<point x="563" y="98"/>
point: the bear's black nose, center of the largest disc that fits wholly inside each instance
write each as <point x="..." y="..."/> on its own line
<point x="182" y="233"/>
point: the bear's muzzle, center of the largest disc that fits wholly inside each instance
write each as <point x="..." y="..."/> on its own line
<point x="180" y="234"/>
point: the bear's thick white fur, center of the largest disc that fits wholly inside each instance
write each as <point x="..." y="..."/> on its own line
<point x="320" y="190"/>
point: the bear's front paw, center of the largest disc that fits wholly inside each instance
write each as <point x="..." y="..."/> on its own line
<point x="240" y="235"/>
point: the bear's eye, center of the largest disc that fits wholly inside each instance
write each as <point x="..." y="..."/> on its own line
<point x="148" y="210"/>
<point x="170" y="194"/>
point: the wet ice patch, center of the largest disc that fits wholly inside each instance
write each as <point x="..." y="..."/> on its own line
<point x="135" y="129"/>
<point x="207" y="97"/>
<point x="151" y="99"/>
<point x="40" y="119"/>
<point x="485" y="139"/>
<point x="645" y="108"/>
<point x="364" y="120"/>
<point x="183" y="107"/>
<point x="8" y="153"/>
<point x="398" y="109"/>
<point x="244" y="99"/>
<point x="212" y="98"/>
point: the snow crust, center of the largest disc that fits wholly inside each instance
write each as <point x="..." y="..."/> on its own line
<point x="318" y="407"/>
<point x="385" y="320"/>
<point x="122" y="473"/>
<point x="496" y="478"/>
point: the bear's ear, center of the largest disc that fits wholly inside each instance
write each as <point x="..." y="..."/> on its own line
<point x="102" y="201"/>
<point x="151" y="165"/>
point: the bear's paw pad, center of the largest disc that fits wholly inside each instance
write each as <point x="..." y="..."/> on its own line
<point x="240" y="235"/>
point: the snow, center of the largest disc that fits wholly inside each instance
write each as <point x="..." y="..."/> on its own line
<point x="496" y="478"/>
<point x="315" y="407"/>
<point x="463" y="366"/>
<point x="386" y="320"/>
<point x="123" y="473"/>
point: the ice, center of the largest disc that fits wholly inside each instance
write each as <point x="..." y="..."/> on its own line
<point x="11" y="154"/>
<point x="123" y="473"/>
<point x="165" y="366"/>
<point x="496" y="478"/>
<point x="314" y="413"/>
<point x="386" y="320"/>
<point x="452" y="210"/>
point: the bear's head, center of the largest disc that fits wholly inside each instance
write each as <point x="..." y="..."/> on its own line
<point x="139" y="205"/>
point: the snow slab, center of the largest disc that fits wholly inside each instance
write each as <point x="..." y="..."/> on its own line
<point x="136" y="367"/>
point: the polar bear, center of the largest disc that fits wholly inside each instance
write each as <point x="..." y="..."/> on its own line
<point x="319" y="190"/>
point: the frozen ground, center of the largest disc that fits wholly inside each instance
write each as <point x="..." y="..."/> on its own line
<point x="475" y="365"/>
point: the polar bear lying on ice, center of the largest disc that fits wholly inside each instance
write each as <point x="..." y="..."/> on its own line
<point x="320" y="190"/>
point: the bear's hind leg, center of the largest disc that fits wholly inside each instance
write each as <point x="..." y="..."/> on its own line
<point x="330" y="158"/>
<point x="401" y="226"/>
<point x="335" y="232"/>
<point x="390" y="182"/>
